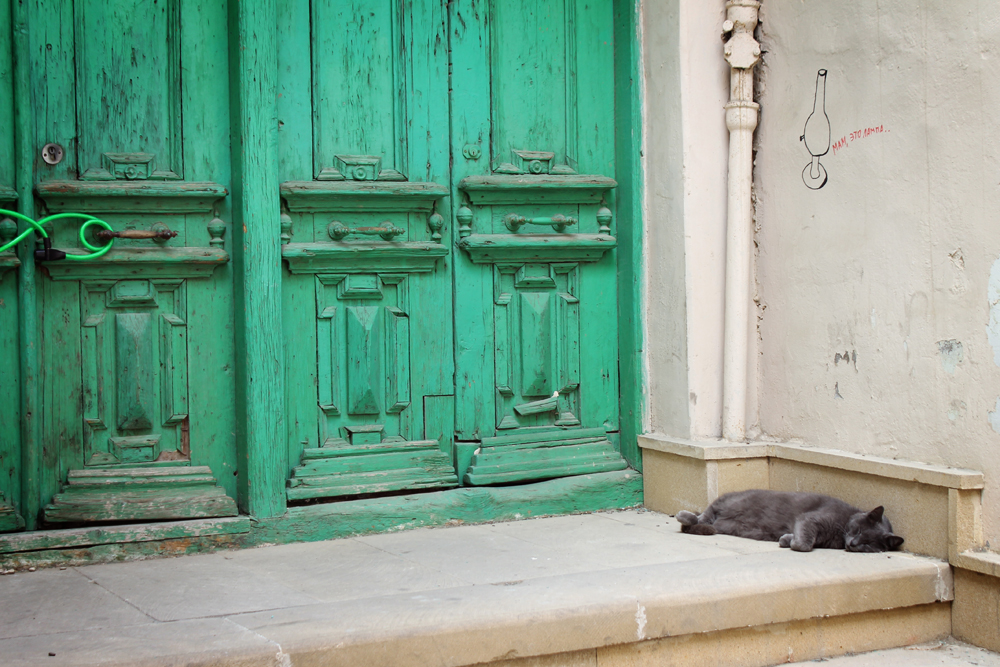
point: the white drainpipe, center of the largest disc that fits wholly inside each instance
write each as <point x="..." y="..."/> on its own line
<point x="742" y="52"/>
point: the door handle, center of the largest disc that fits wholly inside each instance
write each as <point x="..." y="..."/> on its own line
<point x="557" y="222"/>
<point x="158" y="232"/>
<point x="338" y="230"/>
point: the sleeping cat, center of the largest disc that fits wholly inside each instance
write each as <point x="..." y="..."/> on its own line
<point x="802" y="521"/>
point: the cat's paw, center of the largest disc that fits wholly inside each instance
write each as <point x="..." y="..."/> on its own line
<point x="785" y="540"/>
<point x="686" y="518"/>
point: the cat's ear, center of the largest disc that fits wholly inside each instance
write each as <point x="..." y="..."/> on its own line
<point x="893" y="541"/>
<point x="876" y="514"/>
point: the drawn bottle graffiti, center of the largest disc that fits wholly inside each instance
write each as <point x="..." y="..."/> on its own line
<point x="816" y="136"/>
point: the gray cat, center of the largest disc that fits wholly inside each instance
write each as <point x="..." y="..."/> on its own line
<point x="802" y="521"/>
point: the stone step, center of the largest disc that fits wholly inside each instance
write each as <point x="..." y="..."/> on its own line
<point x="608" y="589"/>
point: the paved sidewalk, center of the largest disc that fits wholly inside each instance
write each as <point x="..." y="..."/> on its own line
<point x="937" y="654"/>
<point x="443" y="596"/>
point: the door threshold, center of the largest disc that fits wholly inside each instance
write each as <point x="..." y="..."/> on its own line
<point x="74" y="538"/>
<point x="469" y="504"/>
<point x="99" y="544"/>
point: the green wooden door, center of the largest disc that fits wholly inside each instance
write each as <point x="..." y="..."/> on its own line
<point x="136" y="347"/>
<point x="536" y="333"/>
<point x="448" y="240"/>
<point x="363" y="146"/>
<point x="397" y="341"/>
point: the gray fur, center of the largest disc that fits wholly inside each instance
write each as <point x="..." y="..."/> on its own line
<point x="802" y="521"/>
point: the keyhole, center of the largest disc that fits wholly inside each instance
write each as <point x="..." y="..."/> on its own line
<point x="52" y="153"/>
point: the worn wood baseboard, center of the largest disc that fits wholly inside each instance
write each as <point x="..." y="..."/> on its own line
<point x="567" y="495"/>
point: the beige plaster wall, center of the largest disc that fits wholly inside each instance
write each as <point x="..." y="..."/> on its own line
<point x="686" y="147"/>
<point x="880" y="292"/>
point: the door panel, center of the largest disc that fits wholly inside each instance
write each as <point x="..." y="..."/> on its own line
<point x="134" y="332"/>
<point x="128" y="89"/>
<point x="136" y="346"/>
<point x="536" y="281"/>
<point x="367" y="289"/>
<point x="359" y="68"/>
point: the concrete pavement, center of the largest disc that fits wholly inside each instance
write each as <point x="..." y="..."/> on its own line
<point x="604" y="589"/>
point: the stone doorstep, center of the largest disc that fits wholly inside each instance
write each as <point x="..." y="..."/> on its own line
<point x="754" y="608"/>
<point x="686" y="474"/>
<point x="924" y="473"/>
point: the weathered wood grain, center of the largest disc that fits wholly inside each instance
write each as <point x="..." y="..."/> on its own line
<point x="409" y="257"/>
<point x="25" y="81"/>
<point x="256" y="207"/>
<point x="121" y="551"/>
<point x="141" y="262"/>
<point x="130" y="196"/>
<point x="319" y="196"/>
<point x="493" y="248"/>
<point x="629" y="202"/>
<point x="585" y="493"/>
<point x="139" y="494"/>
<point x="530" y="189"/>
<point x="329" y="472"/>
<point x="524" y="125"/>
<point x="533" y="454"/>
<point x="74" y="538"/>
<point x="9" y="519"/>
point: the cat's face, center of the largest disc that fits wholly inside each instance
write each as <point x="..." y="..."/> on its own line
<point x="870" y="532"/>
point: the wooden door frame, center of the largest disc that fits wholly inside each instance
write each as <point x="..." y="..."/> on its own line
<point x="632" y="394"/>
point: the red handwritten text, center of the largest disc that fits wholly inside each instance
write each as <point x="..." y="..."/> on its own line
<point x="849" y="139"/>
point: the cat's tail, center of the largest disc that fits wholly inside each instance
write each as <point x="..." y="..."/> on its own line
<point x="689" y="524"/>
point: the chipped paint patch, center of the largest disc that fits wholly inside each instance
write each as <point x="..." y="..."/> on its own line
<point x="958" y="409"/>
<point x="951" y="354"/>
<point x="993" y="296"/>
<point x="994" y="417"/>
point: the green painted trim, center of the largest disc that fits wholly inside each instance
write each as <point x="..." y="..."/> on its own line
<point x="370" y="196"/>
<point x="27" y="294"/>
<point x="584" y="493"/>
<point x="72" y="538"/>
<point x="486" y="190"/>
<point x="260" y="402"/>
<point x="178" y="263"/>
<point x="629" y="196"/>
<point x="412" y="257"/>
<point x="490" y="248"/>
<point x="7" y="194"/>
<point x="130" y="196"/>
<point x="8" y="263"/>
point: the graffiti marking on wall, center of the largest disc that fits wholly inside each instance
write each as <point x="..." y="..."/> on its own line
<point x="816" y="136"/>
<point x="848" y="139"/>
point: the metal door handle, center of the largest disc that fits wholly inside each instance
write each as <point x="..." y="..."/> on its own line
<point x="557" y="222"/>
<point x="158" y="232"/>
<point x="338" y="230"/>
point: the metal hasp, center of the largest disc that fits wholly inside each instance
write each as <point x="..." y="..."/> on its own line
<point x="742" y="52"/>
